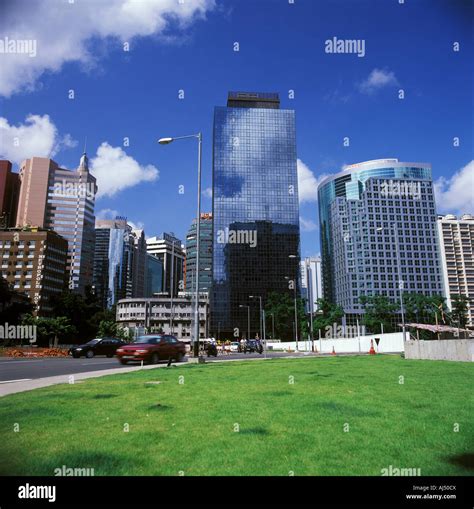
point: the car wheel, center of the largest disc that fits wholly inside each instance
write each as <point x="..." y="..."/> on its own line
<point x="154" y="359"/>
<point x="75" y="355"/>
<point x="89" y="354"/>
<point x="179" y="357"/>
<point x="122" y="361"/>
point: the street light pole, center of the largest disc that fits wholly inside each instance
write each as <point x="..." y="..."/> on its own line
<point x="296" y="310"/>
<point x="166" y="141"/>
<point x="248" y="319"/>
<point x="260" y="311"/>
<point x="273" y="325"/>
<point x="309" y="283"/>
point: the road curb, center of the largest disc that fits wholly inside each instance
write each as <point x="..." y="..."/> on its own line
<point x="38" y="383"/>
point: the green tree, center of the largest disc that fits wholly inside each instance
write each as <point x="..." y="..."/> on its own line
<point x="84" y="313"/>
<point x="108" y="328"/>
<point x="13" y="305"/>
<point x="282" y="306"/>
<point x="378" y="312"/>
<point x="327" y="315"/>
<point x="460" y="305"/>
<point x="50" y="330"/>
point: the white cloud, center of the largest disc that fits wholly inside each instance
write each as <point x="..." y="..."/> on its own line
<point x="307" y="225"/>
<point x="456" y="194"/>
<point x="378" y="79"/>
<point x="63" y="31"/>
<point x="207" y="193"/>
<point x="307" y="183"/>
<point x="116" y="171"/>
<point x="112" y="214"/>
<point x="136" y="226"/>
<point x="107" y="214"/>
<point x="37" y="136"/>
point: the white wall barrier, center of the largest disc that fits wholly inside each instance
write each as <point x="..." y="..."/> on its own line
<point x="389" y="343"/>
<point x="447" y="350"/>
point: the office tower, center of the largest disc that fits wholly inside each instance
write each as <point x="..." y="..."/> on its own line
<point x="62" y="200"/>
<point x="119" y="261"/>
<point x="169" y="250"/>
<point x="34" y="263"/>
<point x="205" y="255"/>
<point x="311" y="282"/>
<point x="153" y="276"/>
<point x="138" y="262"/>
<point x="255" y="209"/>
<point x="9" y="194"/>
<point x="457" y="254"/>
<point x="376" y="216"/>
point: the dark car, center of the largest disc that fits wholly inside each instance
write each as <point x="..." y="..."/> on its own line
<point x="98" y="346"/>
<point x="152" y="348"/>
<point x="253" y="346"/>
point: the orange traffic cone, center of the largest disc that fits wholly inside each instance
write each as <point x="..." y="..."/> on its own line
<point x="333" y="351"/>
<point x="372" y="351"/>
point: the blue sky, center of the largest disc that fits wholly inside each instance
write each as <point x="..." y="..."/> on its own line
<point x="134" y="93"/>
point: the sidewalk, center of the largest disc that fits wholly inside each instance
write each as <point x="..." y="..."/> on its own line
<point x="29" y="385"/>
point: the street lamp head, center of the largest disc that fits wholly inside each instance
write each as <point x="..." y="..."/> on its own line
<point x="379" y="229"/>
<point x="292" y="256"/>
<point x="165" y="141"/>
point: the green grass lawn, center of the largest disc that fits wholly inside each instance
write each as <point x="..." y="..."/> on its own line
<point x="190" y="428"/>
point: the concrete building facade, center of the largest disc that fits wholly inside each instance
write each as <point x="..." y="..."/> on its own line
<point x="457" y="254"/>
<point x="33" y="261"/>
<point x="161" y="313"/>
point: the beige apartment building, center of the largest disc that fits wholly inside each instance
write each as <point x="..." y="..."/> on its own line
<point x="457" y="254"/>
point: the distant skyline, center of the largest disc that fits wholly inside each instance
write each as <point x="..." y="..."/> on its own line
<point x="122" y="74"/>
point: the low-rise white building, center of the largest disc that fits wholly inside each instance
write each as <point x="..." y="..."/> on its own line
<point x="172" y="316"/>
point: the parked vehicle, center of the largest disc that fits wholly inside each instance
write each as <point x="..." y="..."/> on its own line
<point x="98" y="346"/>
<point x="234" y="346"/>
<point x="253" y="345"/>
<point x="152" y="348"/>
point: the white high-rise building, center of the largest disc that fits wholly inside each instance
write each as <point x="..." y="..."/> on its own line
<point x="169" y="250"/>
<point x="457" y="254"/>
<point x="311" y="282"/>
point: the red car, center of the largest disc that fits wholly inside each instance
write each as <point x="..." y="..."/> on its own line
<point x="152" y="348"/>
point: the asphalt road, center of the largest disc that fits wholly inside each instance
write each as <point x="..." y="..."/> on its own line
<point x="13" y="369"/>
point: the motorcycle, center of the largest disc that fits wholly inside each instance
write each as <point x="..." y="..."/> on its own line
<point x="212" y="350"/>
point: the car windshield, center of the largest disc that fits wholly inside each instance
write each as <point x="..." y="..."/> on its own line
<point x="147" y="339"/>
<point x="94" y="341"/>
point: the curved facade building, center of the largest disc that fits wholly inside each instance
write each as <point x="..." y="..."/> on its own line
<point x="368" y="210"/>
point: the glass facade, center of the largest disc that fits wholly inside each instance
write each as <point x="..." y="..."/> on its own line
<point x="365" y="212"/>
<point x="205" y="255"/>
<point x="255" y="208"/>
<point x="154" y="276"/>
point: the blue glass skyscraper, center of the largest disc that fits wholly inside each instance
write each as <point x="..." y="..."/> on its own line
<point x="255" y="208"/>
